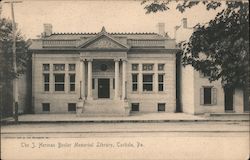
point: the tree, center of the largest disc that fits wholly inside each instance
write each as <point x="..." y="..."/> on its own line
<point x="220" y="48"/>
<point x="6" y="57"/>
<point x="7" y="73"/>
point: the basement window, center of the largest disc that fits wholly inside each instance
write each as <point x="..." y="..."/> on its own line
<point x="72" y="107"/>
<point x="161" y="107"/>
<point x="46" y="107"/>
<point x="135" y="107"/>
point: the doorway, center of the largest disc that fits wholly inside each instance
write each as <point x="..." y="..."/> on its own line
<point x="103" y="88"/>
<point x="229" y="99"/>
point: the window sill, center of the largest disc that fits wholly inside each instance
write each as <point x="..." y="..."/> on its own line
<point x="59" y="92"/>
<point x="148" y="92"/>
<point x="72" y="92"/>
<point x="161" y="92"/>
<point x="208" y="105"/>
<point x="135" y="92"/>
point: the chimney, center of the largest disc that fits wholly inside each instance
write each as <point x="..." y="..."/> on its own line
<point x="47" y="30"/>
<point x="184" y="22"/>
<point x="161" y="29"/>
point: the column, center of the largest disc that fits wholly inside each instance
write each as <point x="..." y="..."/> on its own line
<point x="155" y="79"/>
<point x="124" y="62"/>
<point x="82" y="78"/>
<point x="51" y="79"/>
<point x="66" y="78"/>
<point x="140" y="83"/>
<point x="89" y="96"/>
<point x="116" y="78"/>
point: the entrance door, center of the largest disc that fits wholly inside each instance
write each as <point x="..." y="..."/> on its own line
<point x="229" y="96"/>
<point x="246" y="100"/>
<point x="103" y="88"/>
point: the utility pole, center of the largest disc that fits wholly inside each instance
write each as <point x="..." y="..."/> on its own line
<point x="15" y="82"/>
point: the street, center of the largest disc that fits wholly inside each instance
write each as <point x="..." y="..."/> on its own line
<point x="182" y="140"/>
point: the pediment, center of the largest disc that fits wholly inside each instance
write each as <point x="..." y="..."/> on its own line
<point x="103" y="42"/>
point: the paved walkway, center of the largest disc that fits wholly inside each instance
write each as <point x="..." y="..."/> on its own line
<point x="138" y="117"/>
<point x="133" y="117"/>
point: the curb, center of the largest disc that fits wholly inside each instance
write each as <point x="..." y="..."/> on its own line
<point x="118" y="121"/>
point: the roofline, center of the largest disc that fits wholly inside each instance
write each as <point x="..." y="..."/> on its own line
<point x="95" y="33"/>
<point x="144" y="50"/>
<point x="150" y="50"/>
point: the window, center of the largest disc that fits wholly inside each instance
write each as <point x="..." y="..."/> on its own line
<point x="46" y="107"/>
<point x="135" y="67"/>
<point x="72" y="67"/>
<point x="93" y="83"/>
<point x="46" y="82"/>
<point x="113" y="83"/>
<point x="71" y="107"/>
<point x="160" y="82"/>
<point x="161" y="107"/>
<point x="147" y="82"/>
<point x="72" y="82"/>
<point x="59" y="82"/>
<point x="134" y="82"/>
<point x="135" y="107"/>
<point x="45" y="67"/>
<point x="59" y="67"/>
<point x="147" y="67"/>
<point x="208" y="96"/>
<point x="161" y="67"/>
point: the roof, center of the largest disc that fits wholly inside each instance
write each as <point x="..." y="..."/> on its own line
<point x="128" y="35"/>
<point x="76" y="41"/>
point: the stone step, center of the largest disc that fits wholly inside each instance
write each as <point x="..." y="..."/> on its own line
<point x="102" y="115"/>
<point x="103" y="107"/>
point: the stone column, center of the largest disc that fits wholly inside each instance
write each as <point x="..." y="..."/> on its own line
<point x="51" y="79"/>
<point x="124" y="62"/>
<point x="66" y="79"/>
<point x="155" y="79"/>
<point x="116" y="79"/>
<point x="140" y="83"/>
<point x="82" y="78"/>
<point x="89" y="96"/>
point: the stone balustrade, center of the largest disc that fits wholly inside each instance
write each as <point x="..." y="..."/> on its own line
<point x="59" y="43"/>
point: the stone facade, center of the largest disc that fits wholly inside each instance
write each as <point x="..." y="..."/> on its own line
<point x="103" y="73"/>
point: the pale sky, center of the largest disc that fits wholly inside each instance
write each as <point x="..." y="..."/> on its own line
<point x="90" y="16"/>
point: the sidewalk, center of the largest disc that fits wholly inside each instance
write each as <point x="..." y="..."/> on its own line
<point x="138" y="117"/>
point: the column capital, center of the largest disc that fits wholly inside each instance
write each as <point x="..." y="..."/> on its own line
<point x="82" y="59"/>
<point x="124" y="59"/>
<point x="116" y="59"/>
<point x="89" y="59"/>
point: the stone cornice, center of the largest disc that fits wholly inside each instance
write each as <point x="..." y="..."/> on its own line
<point x="132" y="50"/>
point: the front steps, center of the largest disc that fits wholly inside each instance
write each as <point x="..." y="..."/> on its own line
<point x="104" y="107"/>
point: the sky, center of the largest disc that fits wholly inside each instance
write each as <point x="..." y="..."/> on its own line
<point x="90" y="16"/>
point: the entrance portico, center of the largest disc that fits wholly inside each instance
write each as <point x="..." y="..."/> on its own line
<point x="102" y="75"/>
<point x="104" y="59"/>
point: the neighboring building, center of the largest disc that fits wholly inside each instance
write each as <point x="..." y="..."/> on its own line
<point x="103" y="73"/>
<point x="197" y="94"/>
